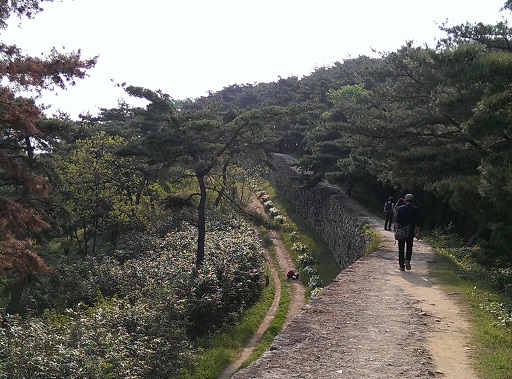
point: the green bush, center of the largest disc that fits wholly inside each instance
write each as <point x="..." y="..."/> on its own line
<point x="113" y="339"/>
<point x="135" y="315"/>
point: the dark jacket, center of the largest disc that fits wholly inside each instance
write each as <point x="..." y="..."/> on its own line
<point x="408" y="214"/>
<point x="388" y="207"/>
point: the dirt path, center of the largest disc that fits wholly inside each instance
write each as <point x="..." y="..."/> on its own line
<point x="373" y="322"/>
<point x="297" y="296"/>
<point x="447" y="336"/>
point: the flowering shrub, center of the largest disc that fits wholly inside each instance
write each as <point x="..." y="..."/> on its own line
<point x="138" y="313"/>
<point x="112" y="339"/>
<point x="315" y="282"/>
<point x="297" y="246"/>
<point x="306" y="259"/>
<point x="316" y="291"/>
<point x="273" y="212"/>
<point x="310" y="270"/>
<point x="500" y="311"/>
<point x="467" y="260"/>
<point x="268" y="204"/>
<point x="280" y="219"/>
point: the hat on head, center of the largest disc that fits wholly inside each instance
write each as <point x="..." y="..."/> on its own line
<point x="409" y="197"/>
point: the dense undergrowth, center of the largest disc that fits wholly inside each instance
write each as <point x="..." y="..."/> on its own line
<point x="466" y="259"/>
<point x="136" y="314"/>
<point x="215" y="352"/>
<point x="145" y="310"/>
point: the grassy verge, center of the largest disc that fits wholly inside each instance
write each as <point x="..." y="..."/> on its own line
<point x="488" y="313"/>
<point x="216" y="353"/>
<point x="277" y="323"/>
<point x="373" y="237"/>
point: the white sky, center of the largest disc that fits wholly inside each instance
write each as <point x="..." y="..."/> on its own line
<point x="188" y="47"/>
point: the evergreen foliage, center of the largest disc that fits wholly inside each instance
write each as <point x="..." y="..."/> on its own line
<point x="23" y="184"/>
<point x="200" y="145"/>
<point x="125" y="295"/>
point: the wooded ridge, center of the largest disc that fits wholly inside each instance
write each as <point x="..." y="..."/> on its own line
<point x="155" y="195"/>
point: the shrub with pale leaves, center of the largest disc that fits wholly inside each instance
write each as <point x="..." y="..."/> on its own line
<point x="140" y="309"/>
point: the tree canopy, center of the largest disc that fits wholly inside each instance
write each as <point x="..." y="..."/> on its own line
<point x="434" y="120"/>
<point x="21" y="179"/>
<point x="198" y="144"/>
<point x="132" y="209"/>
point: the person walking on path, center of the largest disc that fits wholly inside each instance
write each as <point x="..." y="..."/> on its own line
<point x="388" y="212"/>
<point x="407" y="215"/>
<point x="398" y="204"/>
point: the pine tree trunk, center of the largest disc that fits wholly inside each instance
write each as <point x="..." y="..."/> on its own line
<point x="201" y="223"/>
<point x="16" y="290"/>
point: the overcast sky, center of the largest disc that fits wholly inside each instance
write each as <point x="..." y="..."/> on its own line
<point x="189" y="47"/>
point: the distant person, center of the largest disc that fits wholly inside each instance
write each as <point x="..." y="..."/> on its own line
<point x="407" y="214"/>
<point x="292" y="274"/>
<point x="350" y="187"/>
<point x="398" y="204"/>
<point x="388" y="213"/>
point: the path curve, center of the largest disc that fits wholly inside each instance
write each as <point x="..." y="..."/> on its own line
<point x="297" y="296"/>
<point x="285" y="262"/>
<point x="373" y="322"/>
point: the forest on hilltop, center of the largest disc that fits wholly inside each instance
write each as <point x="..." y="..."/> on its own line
<point x="113" y="228"/>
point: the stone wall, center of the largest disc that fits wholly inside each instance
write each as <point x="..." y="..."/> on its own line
<point x="323" y="208"/>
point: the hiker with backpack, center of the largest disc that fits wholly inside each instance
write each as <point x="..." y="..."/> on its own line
<point x="388" y="212"/>
<point x="398" y="204"/>
<point x="407" y="216"/>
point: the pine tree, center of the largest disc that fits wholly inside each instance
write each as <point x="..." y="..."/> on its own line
<point x="20" y="184"/>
